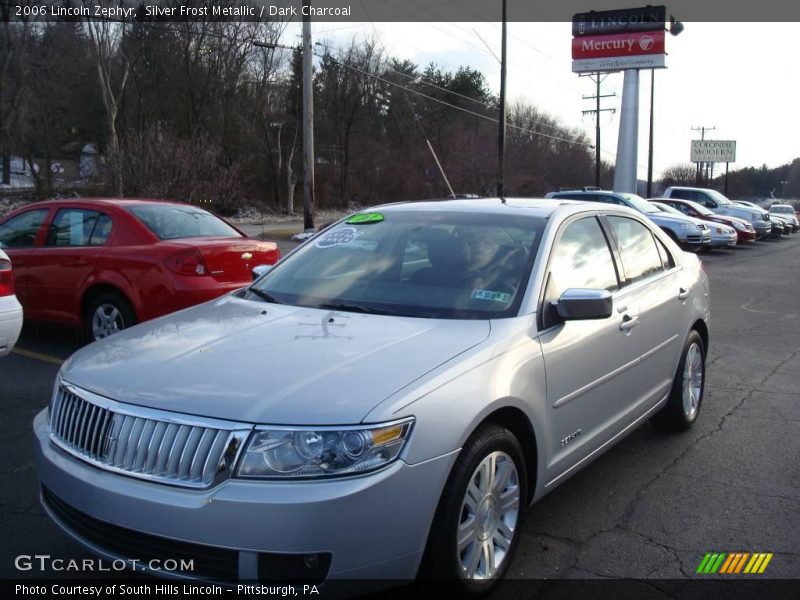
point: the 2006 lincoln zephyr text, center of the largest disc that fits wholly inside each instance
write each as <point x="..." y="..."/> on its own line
<point x="386" y="401"/>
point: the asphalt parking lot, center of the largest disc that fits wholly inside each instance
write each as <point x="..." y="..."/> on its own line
<point x="650" y="508"/>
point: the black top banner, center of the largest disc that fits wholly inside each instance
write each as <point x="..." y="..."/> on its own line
<point x="646" y="18"/>
<point x="391" y="10"/>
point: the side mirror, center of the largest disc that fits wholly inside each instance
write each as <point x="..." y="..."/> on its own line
<point x="260" y="270"/>
<point x="579" y="304"/>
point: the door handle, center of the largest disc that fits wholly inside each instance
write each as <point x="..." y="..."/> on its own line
<point x="683" y="294"/>
<point x="629" y="322"/>
<point x="76" y="262"/>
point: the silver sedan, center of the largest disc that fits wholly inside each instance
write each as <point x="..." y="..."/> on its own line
<point x="375" y="407"/>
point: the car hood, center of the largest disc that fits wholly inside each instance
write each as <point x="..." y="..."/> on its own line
<point x="666" y="218"/>
<point x="744" y="212"/>
<point x="267" y="363"/>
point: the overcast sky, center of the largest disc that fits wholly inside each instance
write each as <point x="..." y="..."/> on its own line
<point x="742" y="78"/>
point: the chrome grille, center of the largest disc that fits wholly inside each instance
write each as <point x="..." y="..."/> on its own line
<point x="145" y="443"/>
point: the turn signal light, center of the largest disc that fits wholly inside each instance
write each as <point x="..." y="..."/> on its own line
<point x="189" y="262"/>
<point x="6" y="278"/>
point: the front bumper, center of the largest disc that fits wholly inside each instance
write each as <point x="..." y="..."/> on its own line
<point x="762" y="227"/>
<point x="371" y="527"/>
<point x="723" y="240"/>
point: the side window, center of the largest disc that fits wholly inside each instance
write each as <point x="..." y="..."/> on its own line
<point x="640" y="255"/>
<point x="102" y="229"/>
<point x="666" y="257"/>
<point x="20" y="232"/>
<point x="72" y="227"/>
<point x="580" y="258"/>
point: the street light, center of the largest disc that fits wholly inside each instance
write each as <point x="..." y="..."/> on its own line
<point x="675" y="28"/>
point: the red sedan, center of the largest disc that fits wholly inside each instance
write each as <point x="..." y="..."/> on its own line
<point x="107" y="264"/>
<point x="743" y="228"/>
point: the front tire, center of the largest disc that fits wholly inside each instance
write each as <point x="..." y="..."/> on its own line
<point x="688" y="387"/>
<point x="106" y="315"/>
<point x="478" y="521"/>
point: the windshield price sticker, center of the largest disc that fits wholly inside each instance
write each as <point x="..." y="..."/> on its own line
<point x="365" y="219"/>
<point x="339" y="237"/>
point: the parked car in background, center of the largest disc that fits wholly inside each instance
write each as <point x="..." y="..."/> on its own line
<point x="107" y="264"/>
<point x="786" y="223"/>
<point x="10" y="309"/>
<point x="722" y="236"/>
<point x="744" y="229"/>
<point x="691" y="234"/>
<point x="375" y="406"/>
<point x="786" y="210"/>
<point x="712" y="199"/>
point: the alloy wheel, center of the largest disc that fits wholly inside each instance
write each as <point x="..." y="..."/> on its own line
<point x="692" y="381"/>
<point x="488" y="518"/>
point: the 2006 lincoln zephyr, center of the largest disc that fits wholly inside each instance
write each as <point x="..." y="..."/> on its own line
<point x="386" y="401"/>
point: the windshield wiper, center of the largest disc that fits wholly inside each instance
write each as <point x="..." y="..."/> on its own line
<point x="265" y="296"/>
<point x="356" y="308"/>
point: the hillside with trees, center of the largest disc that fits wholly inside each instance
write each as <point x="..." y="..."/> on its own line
<point x="195" y="111"/>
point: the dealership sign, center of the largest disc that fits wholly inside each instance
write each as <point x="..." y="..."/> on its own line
<point x="722" y="151"/>
<point x="618" y="44"/>
<point x="646" y="18"/>
<point x="616" y="40"/>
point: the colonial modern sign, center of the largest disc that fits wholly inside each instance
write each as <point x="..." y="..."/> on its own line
<point x="721" y="151"/>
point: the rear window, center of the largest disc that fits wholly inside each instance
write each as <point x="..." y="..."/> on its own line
<point x="171" y="222"/>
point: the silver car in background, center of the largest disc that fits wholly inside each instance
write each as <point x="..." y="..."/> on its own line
<point x="722" y="236"/>
<point x="375" y="407"/>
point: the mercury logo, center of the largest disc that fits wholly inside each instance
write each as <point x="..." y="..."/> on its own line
<point x="646" y="42"/>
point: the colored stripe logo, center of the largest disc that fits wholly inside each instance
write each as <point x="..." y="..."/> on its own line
<point x="733" y="563"/>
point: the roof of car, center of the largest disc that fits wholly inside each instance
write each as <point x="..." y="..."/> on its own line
<point x="586" y="192"/>
<point x="112" y="201"/>
<point x="537" y="207"/>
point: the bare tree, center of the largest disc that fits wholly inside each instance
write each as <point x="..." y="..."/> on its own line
<point x="679" y="174"/>
<point x="113" y="69"/>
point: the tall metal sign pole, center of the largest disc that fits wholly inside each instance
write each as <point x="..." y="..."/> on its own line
<point x="628" y="140"/>
<point x="308" y="123"/>
<point x="622" y="40"/>
<point x="501" y="150"/>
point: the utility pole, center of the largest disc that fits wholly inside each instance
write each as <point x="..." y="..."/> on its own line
<point x="597" y="79"/>
<point x="501" y="149"/>
<point x="650" y="143"/>
<point x="308" y="122"/>
<point x="701" y="165"/>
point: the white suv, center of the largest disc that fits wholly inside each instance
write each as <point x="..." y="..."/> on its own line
<point x="10" y="309"/>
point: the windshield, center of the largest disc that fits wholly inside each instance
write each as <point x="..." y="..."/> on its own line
<point x="719" y="198"/>
<point x="782" y="209"/>
<point x="172" y="222"/>
<point x="640" y="203"/>
<point x="668" y="209"/>
<point x="411" y="263"/>
<point x="698" y="207"/>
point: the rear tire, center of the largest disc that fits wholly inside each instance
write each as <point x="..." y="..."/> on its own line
<point x="686" y="396"/>
<point x="107" y="314"/>
<point x="478" y="522"/>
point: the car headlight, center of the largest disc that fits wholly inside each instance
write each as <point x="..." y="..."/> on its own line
<point x="689" y="227"/>
<point x="739" y="226"/>
<point x="312" y="452"/>
<point x="757" y="216"/>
